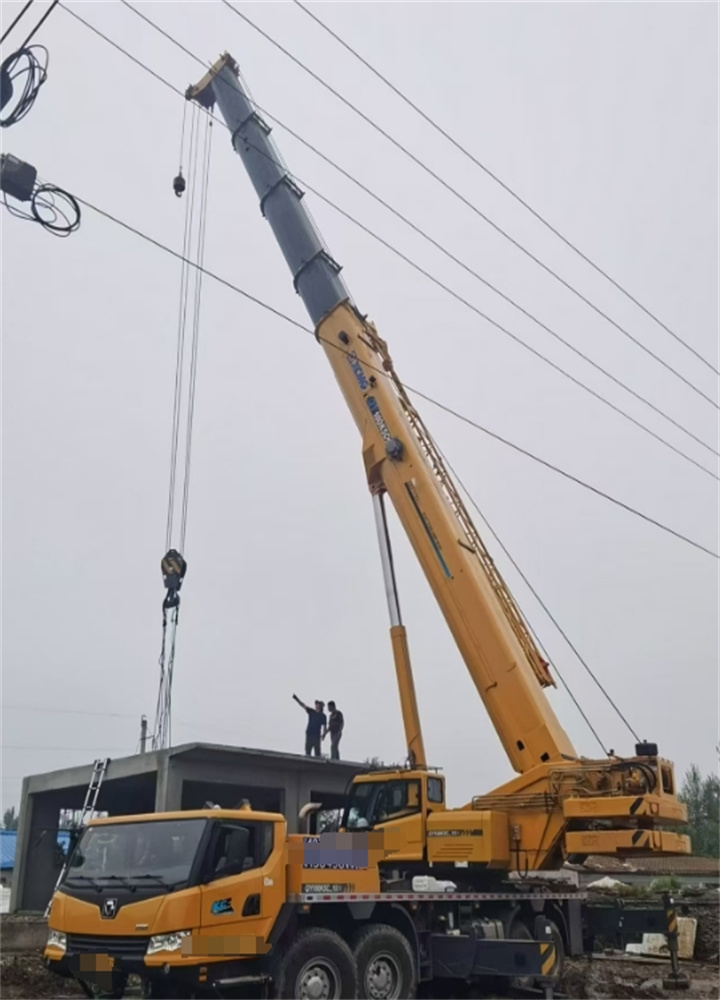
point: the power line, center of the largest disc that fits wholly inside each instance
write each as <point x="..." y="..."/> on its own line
<point x="447" y="253"/>
<point x="506" y="187"/>
<point x="71" y="711"/>
<point x="547" y="611"/>
<point x="422" y="270"/>
<point x="467" y="202"/>
<point x="305" y="329"/>
<point x="442" y="406"/>
<point x="13" y="746"/>
<point x="466" y="267"/>
<point x="27" y="6"/>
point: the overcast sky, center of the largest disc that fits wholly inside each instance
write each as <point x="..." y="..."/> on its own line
<point x="604" y="117"/>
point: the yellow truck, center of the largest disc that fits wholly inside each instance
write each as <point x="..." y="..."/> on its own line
<point x="207" y="902"/>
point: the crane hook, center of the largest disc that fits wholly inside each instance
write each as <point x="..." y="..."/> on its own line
<point x="179" y="184"/>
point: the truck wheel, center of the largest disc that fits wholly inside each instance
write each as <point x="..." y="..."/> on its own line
<point x="318" y="965"/>
<point x="385" y="964"/>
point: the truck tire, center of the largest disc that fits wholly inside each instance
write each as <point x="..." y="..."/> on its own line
<point x="317" y="965"/>
<point x="386" y="968"/>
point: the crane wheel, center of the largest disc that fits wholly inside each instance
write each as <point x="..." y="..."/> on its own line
<point x="317" y="964"/>
<point x="385" y="963"/>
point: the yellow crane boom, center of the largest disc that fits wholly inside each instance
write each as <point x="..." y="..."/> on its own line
<point x="558" y="804"/>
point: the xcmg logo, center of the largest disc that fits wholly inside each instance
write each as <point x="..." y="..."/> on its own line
<point x="359" y="374"/>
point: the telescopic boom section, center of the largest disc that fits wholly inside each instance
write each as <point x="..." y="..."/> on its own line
<point x="401" y="458"/>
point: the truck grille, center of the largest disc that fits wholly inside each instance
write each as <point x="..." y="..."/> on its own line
<point x="107" y="944"/>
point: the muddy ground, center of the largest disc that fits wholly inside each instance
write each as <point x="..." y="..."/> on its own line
<point x="23" y="977"/>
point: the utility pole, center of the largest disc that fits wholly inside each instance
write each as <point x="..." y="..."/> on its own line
<point x="143" y="733"/>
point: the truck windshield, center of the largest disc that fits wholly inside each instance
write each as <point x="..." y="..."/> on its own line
<point x="159" y="850"/>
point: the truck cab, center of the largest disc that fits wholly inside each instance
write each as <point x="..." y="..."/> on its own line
<point x="165" y="896"/>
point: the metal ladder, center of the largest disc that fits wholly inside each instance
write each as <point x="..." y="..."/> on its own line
<point x="100" y="767"/>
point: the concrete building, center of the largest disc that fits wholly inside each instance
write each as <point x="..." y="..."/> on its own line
<point x="183" y="777"/>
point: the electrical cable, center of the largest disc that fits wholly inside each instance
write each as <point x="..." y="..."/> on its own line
<point x="434" y="402"/>
<point x="417" y="267"/>
<point x="35" y="73"/>
<point x="46" y="209"/>
<point x="418" y="160"/>
<point x="547" y="611"/>
<point x="13" y="746"/>
<point x="466" y="267"/>
<point x="506" y="187"/>
<point x="40" y="23"/>
<point x="27" y="6"/>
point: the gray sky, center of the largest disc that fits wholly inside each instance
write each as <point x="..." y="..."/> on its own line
<point x="604" y="117"/>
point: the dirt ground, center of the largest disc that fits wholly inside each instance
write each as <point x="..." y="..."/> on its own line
<point x="24" y="976"/>
<point x="621" y="979"/>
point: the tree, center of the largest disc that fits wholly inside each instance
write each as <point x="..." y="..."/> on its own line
<point x="702" y="798"/>
<point x="375" y="764"/>
<point x="10" y="819"/>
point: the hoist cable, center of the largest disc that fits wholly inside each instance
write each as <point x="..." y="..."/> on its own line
<point x="506" y="187"/>
<point x="182" y="135"/>
<point x="200" y="257"/>
<point x="7" y="31"/>
<point x="617" y="409"/>
<point x="40" y="23"/>
<point x="430" y="399"/>
<point x="547" y="611"/>
<point x="182" y="321"/>
<point x="157" y="735"/>
<point x="418" y="160"/>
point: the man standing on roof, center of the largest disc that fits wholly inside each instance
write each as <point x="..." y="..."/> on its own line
<point x="316" y="726"/>
<point x="335" y="727"/>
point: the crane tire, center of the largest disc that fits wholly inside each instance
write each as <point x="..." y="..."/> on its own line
<point x="317" y="962"/>
<point x="385" y="962"/>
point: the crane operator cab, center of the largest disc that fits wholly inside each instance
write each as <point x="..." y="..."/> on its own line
<point x="398" y="803"/>
<point x="409" y="809"/>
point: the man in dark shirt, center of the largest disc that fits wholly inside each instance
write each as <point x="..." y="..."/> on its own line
<point x="316" y="726"/>
<point x="335" y="728"/>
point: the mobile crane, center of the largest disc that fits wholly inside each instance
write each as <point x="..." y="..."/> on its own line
<point x="410" y="890"/>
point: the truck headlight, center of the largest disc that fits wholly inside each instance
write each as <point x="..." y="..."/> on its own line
<point x="166" y="942"/>
<point x="56" y="939"/>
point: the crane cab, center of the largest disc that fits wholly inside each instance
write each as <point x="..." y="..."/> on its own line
<point x="398" y="803"/>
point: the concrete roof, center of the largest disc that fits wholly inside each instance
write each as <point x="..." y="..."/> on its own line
<point x="149" y="763"/>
